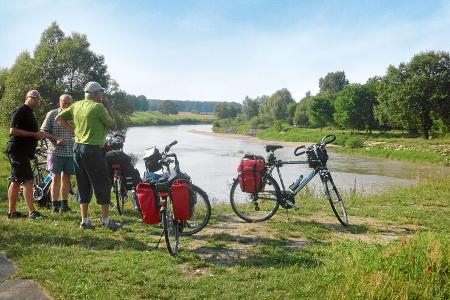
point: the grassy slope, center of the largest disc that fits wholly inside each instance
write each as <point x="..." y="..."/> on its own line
<point x="102" y="265"/>
<point x="156" y="118"/>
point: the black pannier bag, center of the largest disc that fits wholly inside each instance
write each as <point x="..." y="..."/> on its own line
<point x="316" y="156"/>
<point x="126" y="167"/>
<point x="151" y="159"/>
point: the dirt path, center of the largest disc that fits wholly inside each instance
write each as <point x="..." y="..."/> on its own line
<point x="231" y="240"/>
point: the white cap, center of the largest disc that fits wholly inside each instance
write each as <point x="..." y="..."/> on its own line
<point x="93" y="86"/>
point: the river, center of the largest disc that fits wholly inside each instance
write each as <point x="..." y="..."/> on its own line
<point x="211" y="161"/>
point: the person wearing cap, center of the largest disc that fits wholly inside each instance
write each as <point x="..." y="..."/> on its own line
<point x="59" y="155"/>
<point x="92" y="117"/>
<point x="23" y="136"/>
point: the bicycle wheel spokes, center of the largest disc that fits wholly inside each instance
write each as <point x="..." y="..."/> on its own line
<point x="172" y="229"/>
<point x="255" y="207"/>
<point x="336" y="201"/>
<point x="117" y="191"/>
<point x="201" y="212"/>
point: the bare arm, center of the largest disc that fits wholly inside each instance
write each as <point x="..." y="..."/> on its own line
<point x="51" y="137"/>
<point x="25" y="133"/>
<point x="107" y="104"/>
<point x="64" y="123"/>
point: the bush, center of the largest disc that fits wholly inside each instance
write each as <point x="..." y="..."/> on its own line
<point x="354" y="142"/>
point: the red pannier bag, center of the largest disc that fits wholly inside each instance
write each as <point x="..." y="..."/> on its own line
<point x="181" y="200"/>
<point x="147" y="203"/>
<point x="250" y="170"/>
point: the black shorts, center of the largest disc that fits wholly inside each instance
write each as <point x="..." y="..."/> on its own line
<point x="20" y="167"/>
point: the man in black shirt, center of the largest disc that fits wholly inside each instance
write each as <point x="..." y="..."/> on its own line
<point x="24" y="134"/>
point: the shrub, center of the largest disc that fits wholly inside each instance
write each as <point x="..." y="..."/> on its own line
<point x="354" y="142"/>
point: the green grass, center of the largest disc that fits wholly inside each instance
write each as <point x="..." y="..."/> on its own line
<point x="101" y="264"/>
<point x="156" y="118"/>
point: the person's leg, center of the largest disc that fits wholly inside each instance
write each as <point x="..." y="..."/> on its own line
<point x="68" y="170"/>
<point x="55" y="191"/>
<point x="83" y="183"/>
<point x="28" y="194"/>
<point x="13" y="194"/>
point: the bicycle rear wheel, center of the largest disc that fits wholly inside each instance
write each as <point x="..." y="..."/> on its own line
<point x="335" y="199"/>
<point x="201" y="213"/>
<point x="120" y="198"/>
<point x="255" y="207"/>
<point x="171" y="228"/>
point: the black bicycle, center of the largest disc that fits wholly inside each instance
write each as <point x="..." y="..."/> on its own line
<point x="200" y="210"/>
<point x="261" y="204"/>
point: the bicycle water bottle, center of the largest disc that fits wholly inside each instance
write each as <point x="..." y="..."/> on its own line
<point x="295" y="184"/>
<point x="48" y="178"/>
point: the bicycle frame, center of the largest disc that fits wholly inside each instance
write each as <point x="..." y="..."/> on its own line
<point x="306" y="179"/>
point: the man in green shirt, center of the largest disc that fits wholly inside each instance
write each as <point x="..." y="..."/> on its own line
<point x="92" y="118"/>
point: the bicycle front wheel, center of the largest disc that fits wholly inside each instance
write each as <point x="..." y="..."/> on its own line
<point x="201" y="212"/>
<point x="255" y="207"/>
<point x="171" y="228"/>
<point x="336" y="201"/>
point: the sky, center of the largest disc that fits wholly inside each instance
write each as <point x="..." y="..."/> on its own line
<point x="227" y="50"/>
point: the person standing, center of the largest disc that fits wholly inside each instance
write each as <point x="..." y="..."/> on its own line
<point x="59" y="155"/>
<point x="21" y="148"/>
<point x="92" y="117"/>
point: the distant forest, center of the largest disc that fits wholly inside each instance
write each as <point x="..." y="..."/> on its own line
<point x="187" y="105"/>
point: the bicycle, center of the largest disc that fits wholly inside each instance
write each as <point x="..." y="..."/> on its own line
<point x="164" y="183"/>
<point x="121" y="184"/>
<point x="262" y="204"/>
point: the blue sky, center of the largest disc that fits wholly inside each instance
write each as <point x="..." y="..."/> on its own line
<point x="226" y="50"/>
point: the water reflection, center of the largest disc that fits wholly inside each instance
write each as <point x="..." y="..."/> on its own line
<point x="212" y="161"/>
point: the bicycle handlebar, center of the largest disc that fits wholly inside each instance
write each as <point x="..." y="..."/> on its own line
<point x="167" y="148"/>
<point x="324" y="141"/>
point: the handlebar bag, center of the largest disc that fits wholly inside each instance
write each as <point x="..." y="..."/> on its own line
<point x="181" y="199"/>
<point x="147" y="203"/>
<point x="250" y="170"/>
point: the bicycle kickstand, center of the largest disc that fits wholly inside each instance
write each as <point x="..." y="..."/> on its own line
<point x="160" y="238"/>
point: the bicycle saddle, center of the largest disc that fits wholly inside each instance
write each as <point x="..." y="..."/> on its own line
<point x="162" y="186"/>
<point x="270" y="148"/>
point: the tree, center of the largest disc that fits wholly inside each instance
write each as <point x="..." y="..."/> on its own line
<point x="250" y="107"/>
<point x="354" y="107"/>
<point x="413" y="93"/>
<point x="333" y="82"/>
<point x="225" y="110"/>
<point x="3" y="78"/>
<point x="275" y="107"/>
<point x="321" y="110"/>
<point x="168" y="107"/>
<point x="301" y="111"/>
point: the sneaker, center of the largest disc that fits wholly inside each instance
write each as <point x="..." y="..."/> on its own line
<point x="87" y="226"/>
<point x="65" y="209"/>
<point x="35" y="215"/>
<point x="16" y="215"/>
<point x="112" y="225"/>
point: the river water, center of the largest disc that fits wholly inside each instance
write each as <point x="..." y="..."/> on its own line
<point x="212" y="161"/>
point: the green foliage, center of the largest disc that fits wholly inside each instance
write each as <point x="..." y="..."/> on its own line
<point x="301" y="111"/>
<point x="354" y="107"/>
<point x="168" y="108"/>
<point x="225" y="110"/>
<point x="410" y="93"/>
<point x="60" y="63"/>
<point x="250" y="107"/>
<point x="333" y="82"/>
<point x="156" y="118"/>
<point x="321" y="109"/>
<point x="275" y="107"/>
<point x="354" y="142"/>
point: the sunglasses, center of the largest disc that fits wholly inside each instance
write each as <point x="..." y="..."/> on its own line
<point x="35" y="97"/>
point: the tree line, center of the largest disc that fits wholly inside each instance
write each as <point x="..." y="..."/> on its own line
<point x="413" y="96"/>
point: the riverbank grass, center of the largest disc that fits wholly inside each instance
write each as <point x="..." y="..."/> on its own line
<point x="397" y="246"/>
<point x="156" y="118"/>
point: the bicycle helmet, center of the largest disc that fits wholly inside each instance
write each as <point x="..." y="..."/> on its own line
<point x="151" y="159"/>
